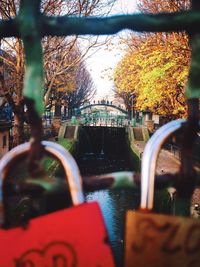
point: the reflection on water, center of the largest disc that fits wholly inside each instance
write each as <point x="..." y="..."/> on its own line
<point x="114" y="204"/>
<point x="96" y="164"/>
<point x="109" y="153"/>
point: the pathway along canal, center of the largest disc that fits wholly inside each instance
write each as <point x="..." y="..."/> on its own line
<point x="104" y="150"/>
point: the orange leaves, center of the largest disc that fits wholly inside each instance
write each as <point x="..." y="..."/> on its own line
<point x="156" y="65"/>
<point x="156" y="72"/>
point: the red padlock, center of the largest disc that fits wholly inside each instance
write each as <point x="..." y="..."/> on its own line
<point x="68" y="238"/>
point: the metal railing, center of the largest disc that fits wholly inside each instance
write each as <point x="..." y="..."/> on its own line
<point x="31" y="26"/>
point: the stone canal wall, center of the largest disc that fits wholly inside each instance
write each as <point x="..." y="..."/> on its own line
<point x="137" y="137"/>
<point x="68" y="131"/>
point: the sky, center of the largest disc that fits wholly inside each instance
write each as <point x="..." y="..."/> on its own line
<point x="106" y="57"/>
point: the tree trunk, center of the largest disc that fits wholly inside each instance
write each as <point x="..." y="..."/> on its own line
<point x="18" y="103"/>
<point x="18" y="130"/>
<point x="70" y="113"/>
<point x="65" y="111"/>
<point x="57" y="112"/>
<point x="18" y="125"/>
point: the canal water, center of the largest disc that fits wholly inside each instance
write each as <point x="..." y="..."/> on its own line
<point x="105" y="150"/>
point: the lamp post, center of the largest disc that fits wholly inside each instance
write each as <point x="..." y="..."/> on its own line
<point x="133" y="122"/>
<point x="131" y="107"/>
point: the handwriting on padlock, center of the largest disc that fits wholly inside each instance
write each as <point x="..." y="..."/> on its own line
<point x="148" y="228"/>
<point x="54" y="254"/>
<point x="162" y="240"/>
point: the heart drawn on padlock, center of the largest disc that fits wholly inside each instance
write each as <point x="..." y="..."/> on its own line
<point x="54" y="254"/>
<point x="71" y="237"/>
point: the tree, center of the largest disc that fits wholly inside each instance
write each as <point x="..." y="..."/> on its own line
<point x="13" y="59"/>
<point x="60" y="47"/>
<point x="129" y="99"/>
<point x="84" y="89"/>
<point x="156" y="66"/>
<point x="74" y="86"/>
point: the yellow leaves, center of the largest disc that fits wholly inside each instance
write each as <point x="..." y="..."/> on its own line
<point x="61" y="89"/>
<point x="67" y="87"/>
<point x="71" y="86"/>
<point x="157" y="72"/>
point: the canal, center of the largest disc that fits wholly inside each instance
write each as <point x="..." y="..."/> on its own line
<point x="105" y="150"/>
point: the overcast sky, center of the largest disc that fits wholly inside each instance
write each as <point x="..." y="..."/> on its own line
<point x="106" y="57"/>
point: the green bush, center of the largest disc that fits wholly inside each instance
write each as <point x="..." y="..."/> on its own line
<point x="52" y="166"/>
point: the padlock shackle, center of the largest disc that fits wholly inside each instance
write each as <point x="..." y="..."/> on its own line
<point x="57" y="151"/>
<point x="149" y="160"/>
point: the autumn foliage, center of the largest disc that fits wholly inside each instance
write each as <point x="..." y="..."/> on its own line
<point x="155" y="67"/>
<point x="63" y="60"/>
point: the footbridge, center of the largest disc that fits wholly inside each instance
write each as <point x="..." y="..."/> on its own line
<point x="90" y="106"/>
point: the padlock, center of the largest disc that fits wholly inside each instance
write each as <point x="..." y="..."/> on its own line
<point x="157" y="240"/>
<point x="72" y="237"/>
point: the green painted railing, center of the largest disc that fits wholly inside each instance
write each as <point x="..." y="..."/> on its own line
<point x="31" y="26"/>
